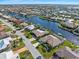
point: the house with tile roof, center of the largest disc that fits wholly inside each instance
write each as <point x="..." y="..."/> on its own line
<point x="67" y="53"/>
<point x="52" y="40"/>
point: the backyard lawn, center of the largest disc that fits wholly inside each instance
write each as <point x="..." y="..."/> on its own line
<point x="26" y="55"/>
<point x="17" y="44"/>
<point x="28" y="34"/>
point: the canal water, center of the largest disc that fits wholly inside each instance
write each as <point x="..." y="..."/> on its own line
<point x="53" y="26"/>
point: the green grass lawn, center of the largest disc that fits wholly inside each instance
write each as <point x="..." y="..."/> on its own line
<point x="28" y="34"/>
<point x="8" y="29"/>
<point x="45" y="53"/>
<point x="26" y="55"/>
<point x="22" y="55"/>
<point x="17" y="26"/>
<point x="18" y="45"/>
<point x="1" y="22"/>
<point x="34" y="41"/>
<point x="69" y="44"/>
<point x="77" y="21"/>
<point x="42" y="17"/>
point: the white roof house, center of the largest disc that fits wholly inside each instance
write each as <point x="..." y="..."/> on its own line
<point x="39" y="32"/>
<point x="9" y="55"/>
<point x="4" y="42"/>
<point x="5" y="16"/>
<point x="1" y="14"/>
<point x="70" y="23"/>
<point x="30" y="27"/>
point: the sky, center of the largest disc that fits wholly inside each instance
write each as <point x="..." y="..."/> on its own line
<point x="39" y="1"/>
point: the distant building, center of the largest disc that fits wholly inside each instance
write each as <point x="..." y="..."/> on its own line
<point x="16" y="21"/>
<point x="62" y="19"/>
<point x="3" y="35"/>
<point x="24" y="24"/>
<point x="51" y="40"/>
<point x="66" y="53"/>
<point x="1" y="14"/>
<point x="6" y="17"/>
<point x="39" y="33"/>
<point x="53" y="18"/>
<point x="9" y="55"/>
<point x="2" y="28"/>
<point x="77" y="17"/>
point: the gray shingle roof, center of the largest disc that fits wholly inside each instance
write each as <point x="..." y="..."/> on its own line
<point x="52" y="40"/>
<point x="67" y="53"/>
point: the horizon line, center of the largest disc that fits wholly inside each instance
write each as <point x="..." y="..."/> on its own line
<point x="38" y="4"/>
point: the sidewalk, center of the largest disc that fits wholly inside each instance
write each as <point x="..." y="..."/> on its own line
<point x="21" y="50"/>
<point x="36" y="44"/>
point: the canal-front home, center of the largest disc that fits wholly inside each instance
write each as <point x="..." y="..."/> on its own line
<point x="9" y="55"/>
<point x="51" y="40"/>
<point x="6" y="17"/>
<point x="66" y="53"/>
<point x="17" y="21"/>
<point x="61" y="19"/>
<point x="39" y="32"/>
<point x="30" y="27"/>
<point x="53" y="18"/>
<point x="69" y="23"/>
